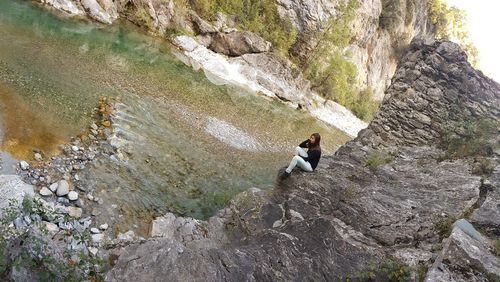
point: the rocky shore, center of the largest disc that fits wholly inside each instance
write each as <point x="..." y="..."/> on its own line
<point x="46" y="203"/>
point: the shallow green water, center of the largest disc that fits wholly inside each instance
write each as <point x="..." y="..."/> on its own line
<point x="57" y="69"/>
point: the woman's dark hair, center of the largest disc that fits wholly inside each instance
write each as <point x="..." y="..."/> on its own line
<point x="316" y="145"/>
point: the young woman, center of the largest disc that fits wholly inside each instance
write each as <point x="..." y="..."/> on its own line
<point x="307" y="161"/>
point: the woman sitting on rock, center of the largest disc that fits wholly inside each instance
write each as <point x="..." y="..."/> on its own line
<point x="307" y="161"/>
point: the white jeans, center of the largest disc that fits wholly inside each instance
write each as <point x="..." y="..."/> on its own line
<point x="298" y="161"/>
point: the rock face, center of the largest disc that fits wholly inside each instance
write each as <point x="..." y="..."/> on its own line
<point x="381" y="29"/>
<point x="386" y="195"/>
<point x="238" y="43"/>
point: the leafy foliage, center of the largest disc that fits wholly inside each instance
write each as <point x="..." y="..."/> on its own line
<point x="331" y="73"/>
<point x="450" y="23"/>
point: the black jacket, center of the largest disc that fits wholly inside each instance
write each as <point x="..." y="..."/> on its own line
<point x="312" y="156"/>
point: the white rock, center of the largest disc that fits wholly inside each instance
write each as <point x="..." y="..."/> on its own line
<point x="74" y="148"/>
<point x="24" y="165"/>
<point x="94" y="126"/>
<point x="94" y="230"/>
<point x="96" y="238"/>
<point x="75" y="212"/>
<point x="73" y="196"/>
<point x="45" y="191"/>
<point x="62" y="188"/>
<point x="77" y="178"/>
<point x="127" y="236"/>
<point x="90" y="197"/>
<point x="53" y="187"/>
<point x="93" y="250"/>
<point x="38" y="157"/>
<point x="51" y="227"/>
<point x="103" y="226"/>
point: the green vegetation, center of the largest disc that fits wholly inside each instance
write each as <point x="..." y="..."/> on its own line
<point x="331" y="74"/>
<point x="450" y="23"/>
<point x="387" y="270"/>
<point x="143" y="18"/>
<point x="496" y="246"/>
<point x="260" y="17"/>
<point x="444" y="226"/>
<point x="470" y="139"/>
<point x="376" y="159"/>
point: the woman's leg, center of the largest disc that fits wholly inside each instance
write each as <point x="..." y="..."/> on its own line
<point x="298" y="161"/>
<point x="300" y="152"/>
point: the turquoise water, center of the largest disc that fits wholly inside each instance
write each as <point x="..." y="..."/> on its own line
<point x="56" y="69"/>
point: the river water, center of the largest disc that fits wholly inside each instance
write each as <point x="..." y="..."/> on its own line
<point x="192" y="144"/>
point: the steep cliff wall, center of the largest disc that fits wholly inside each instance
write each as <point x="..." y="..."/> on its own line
<point x="381" y="208"/>
<point x="381" y="30"/>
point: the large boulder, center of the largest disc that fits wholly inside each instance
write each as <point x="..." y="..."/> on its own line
<point x="466" y="256"/>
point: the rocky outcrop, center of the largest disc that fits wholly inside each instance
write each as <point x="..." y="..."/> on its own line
<point x="466" y="256"/>
<point x="385" y="196"/>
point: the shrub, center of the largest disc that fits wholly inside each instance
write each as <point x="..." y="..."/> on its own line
<point x="364" y="106"/>
<point x="376" y="159"/>
<point x="444" y="226"/>
<point x="143" y="18"/>
<point x="475" y="139"/>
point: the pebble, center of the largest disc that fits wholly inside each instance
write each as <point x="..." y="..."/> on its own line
<point x="94" y="126"/>
<point x="27" y="219"/>
<point x="45" y="192"/>
<point x="51" y="227"/>
<point x="90" y="197"/>
<point x="93" y="250"/>
<point x="103" y="226"/>
<point x="63" y="201"/>
<point x="38" y="157"/>
<point x="94" y="230"/>
<point x="73" y="196"/>
<point x="65" y="226"/>
<point x="95" y="212"/>
<point x="19" y="223"/>
<point x="127" y="236"/>
<point x="24" y="165"/>
<point x="62" y="188"/>
<point x="75" y="212"/>
<point x="53" y="187"/>
<point x="74" y="148"/>
<point x="77" y="178"/>
<point x="96" y="238"/>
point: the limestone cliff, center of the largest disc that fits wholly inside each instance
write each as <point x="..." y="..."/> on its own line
<point x="382" y="208"/>
<point x="381" y="29"/>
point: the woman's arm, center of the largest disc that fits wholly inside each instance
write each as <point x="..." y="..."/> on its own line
<point x="304" y="144"/>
